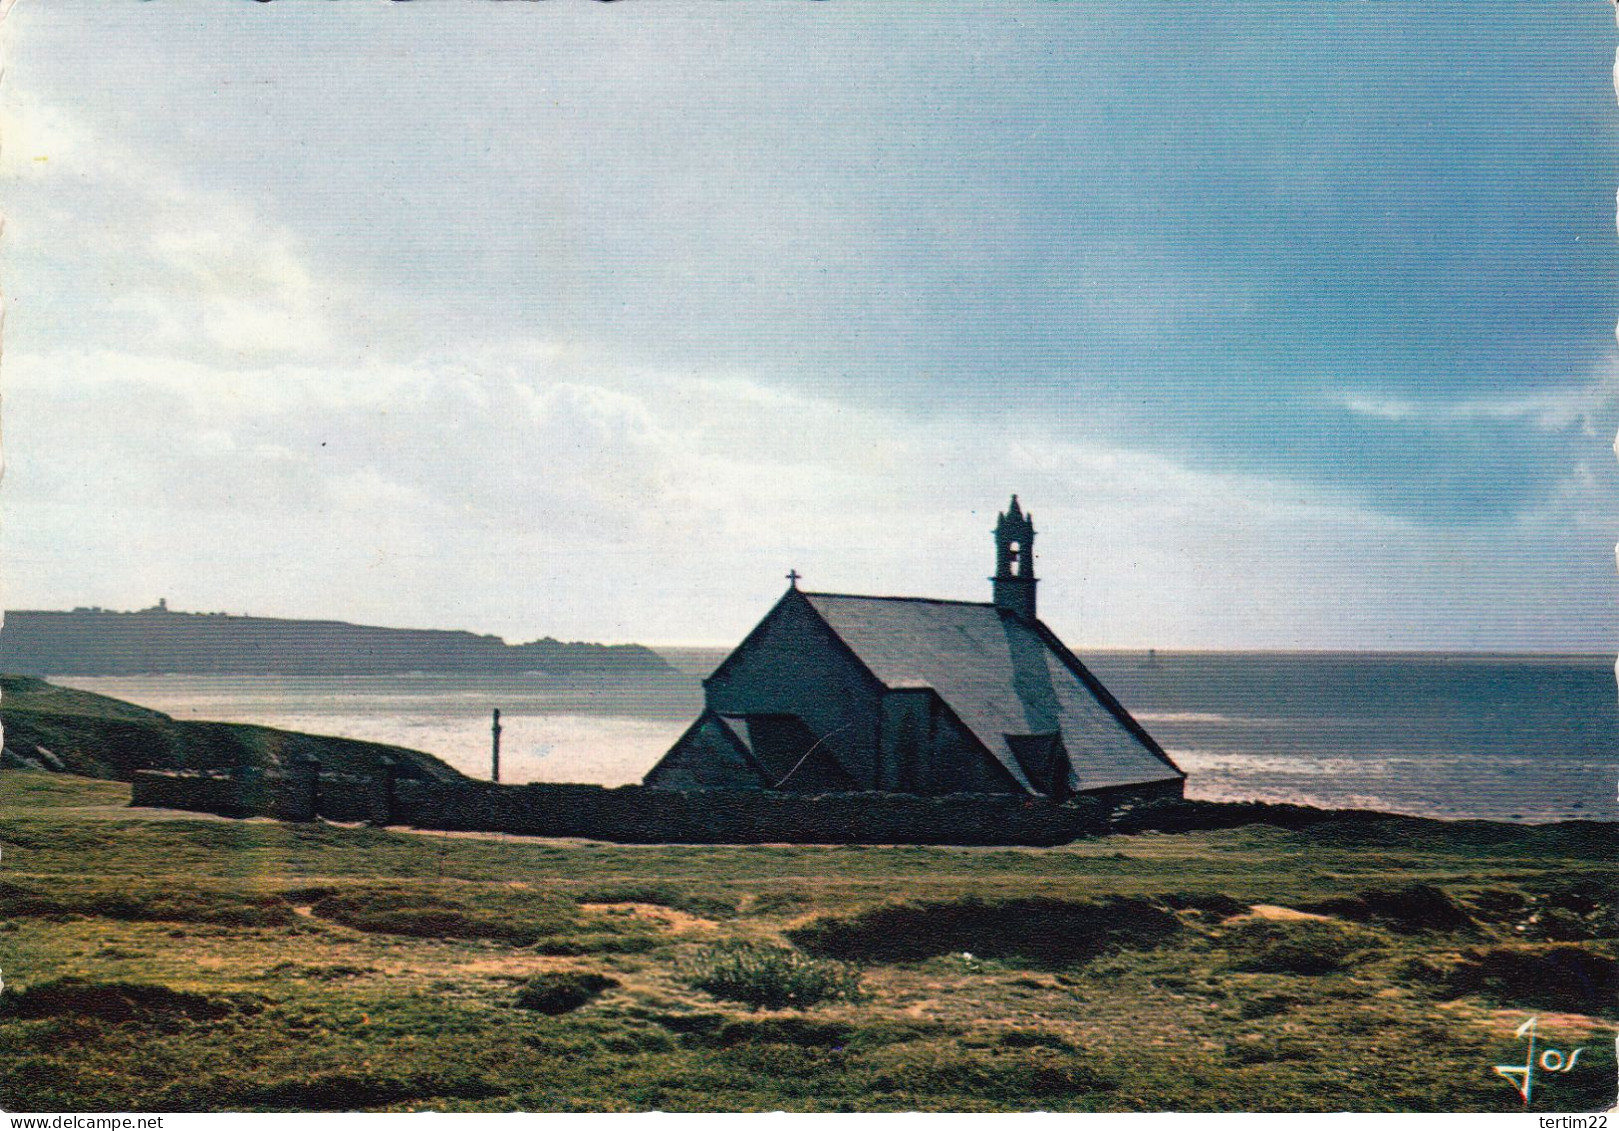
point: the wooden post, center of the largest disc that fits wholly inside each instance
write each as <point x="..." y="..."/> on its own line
<point x="494" y="749"/>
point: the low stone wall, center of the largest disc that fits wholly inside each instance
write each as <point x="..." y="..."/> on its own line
<point x="637" y="815"/>
<point x="350" y="797"/>
<point x="287" y="797"/>
<point x="634" y="814"/>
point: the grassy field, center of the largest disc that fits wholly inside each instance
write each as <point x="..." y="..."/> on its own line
<point x="161" y="962"/>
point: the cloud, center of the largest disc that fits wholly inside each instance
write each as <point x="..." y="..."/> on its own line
<point x="1545" y="410"/>
<point x="144" y="258"/>
<point x="201" y="404"/>
<point x="252" y="295"/>
<point x="545" y="491"/>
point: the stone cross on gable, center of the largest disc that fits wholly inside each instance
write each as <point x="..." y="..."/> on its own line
<point x="792" y="578"/>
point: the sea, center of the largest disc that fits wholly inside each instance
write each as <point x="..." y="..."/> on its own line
<point x="1529" y="738"/>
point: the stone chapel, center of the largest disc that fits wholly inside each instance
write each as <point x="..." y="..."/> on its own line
<point x="838" y="693"/>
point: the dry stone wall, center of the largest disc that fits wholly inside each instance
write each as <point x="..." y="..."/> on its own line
<point x="638" y="815"/>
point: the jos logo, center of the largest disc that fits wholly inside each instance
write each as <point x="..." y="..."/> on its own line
<point x="1522" y="1076"/>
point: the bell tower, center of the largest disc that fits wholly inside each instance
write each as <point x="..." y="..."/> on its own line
<point x="1014" y="562"/>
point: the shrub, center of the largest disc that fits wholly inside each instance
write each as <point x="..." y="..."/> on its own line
<point x="767" y="976"/>
<point x="563" y="991"/>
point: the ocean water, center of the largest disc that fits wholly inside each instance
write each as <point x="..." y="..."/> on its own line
<point x="1521" y="738"/>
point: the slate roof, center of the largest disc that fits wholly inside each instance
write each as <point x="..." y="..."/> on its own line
<point x="1002" y="676"/>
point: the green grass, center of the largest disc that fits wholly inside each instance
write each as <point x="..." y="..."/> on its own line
<point x="1042" y="931"/>
<point x="1306" y="946"/>
<point x="518" y="918"/>
<point x="199" y="964"/>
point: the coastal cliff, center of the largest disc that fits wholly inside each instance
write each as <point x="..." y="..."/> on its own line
<point x="90" y="641"/>
<point x="63" y="730"/>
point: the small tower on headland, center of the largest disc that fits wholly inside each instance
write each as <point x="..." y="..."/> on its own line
<point x="1014" y="562"/>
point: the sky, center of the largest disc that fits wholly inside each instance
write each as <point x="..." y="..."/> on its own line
<point x="1293" y="325"/>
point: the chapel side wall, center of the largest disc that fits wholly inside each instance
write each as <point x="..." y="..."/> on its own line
<point x="926" y="750"/>
<point x="907" y="740"/>
<point x="960" y="762"/>
<point x="703" y="758"/>
<point x="792" y="664"/>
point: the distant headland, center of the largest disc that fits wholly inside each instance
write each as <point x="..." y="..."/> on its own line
<point x="160" y="640"/>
